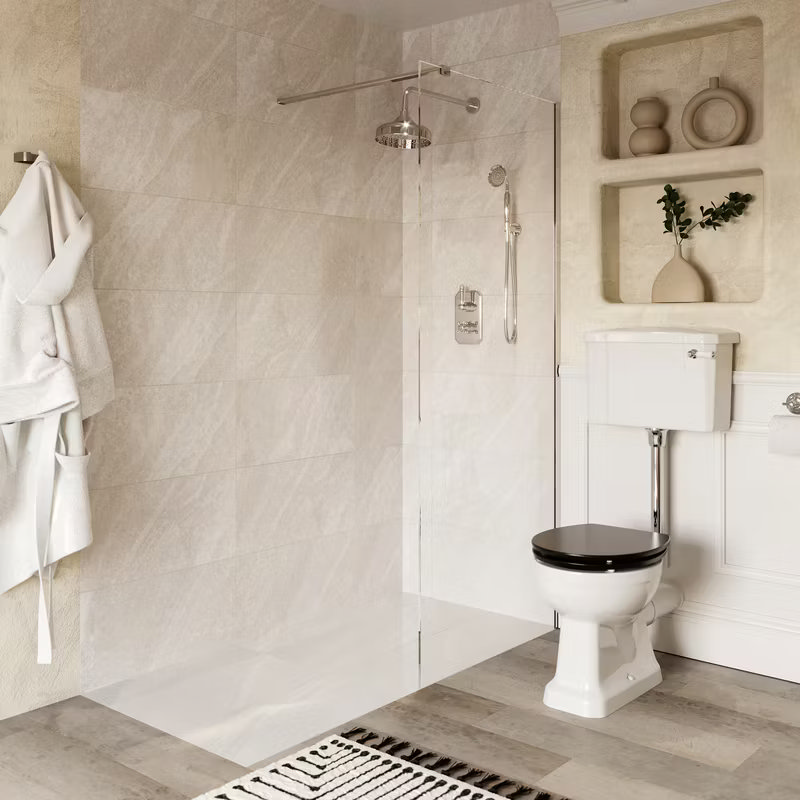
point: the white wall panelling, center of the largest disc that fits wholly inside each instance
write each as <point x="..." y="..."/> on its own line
<point x="732" y="515"/>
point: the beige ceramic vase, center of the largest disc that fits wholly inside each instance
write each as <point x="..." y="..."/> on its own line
<point x="678" y="282"/>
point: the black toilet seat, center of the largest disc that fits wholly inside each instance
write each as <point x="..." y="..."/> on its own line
<point x="599" y="548"/>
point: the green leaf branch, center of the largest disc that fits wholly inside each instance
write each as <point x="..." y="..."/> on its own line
<point x="714" y="217"/>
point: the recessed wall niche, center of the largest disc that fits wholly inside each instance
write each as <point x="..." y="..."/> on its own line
<point x="635" y="247"/>
<point x="674" y="67"/>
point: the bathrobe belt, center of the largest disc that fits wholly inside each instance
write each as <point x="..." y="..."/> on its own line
<point x="45" y="486"/>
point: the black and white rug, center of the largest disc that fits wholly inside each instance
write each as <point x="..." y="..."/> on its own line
<point x="362" y="765"/>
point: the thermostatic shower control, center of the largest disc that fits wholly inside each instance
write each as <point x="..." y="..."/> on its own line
<point x="468" y="316"/>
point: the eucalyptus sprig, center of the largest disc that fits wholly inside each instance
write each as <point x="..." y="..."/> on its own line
<point x="714" y="217"/>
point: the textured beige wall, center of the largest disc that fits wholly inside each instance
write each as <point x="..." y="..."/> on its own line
<point x="39" y="102"/>
<point x="768" y="326"/>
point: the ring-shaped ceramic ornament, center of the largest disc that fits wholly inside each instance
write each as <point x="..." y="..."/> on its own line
<point x="714" y="92"/>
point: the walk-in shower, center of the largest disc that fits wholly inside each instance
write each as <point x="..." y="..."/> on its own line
<point x="366" y="531"/>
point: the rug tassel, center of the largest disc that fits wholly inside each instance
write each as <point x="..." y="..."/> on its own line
<point x="522" y="791"/>
<point x="394" y="749"/>
<point x="354" y="732"/>
<point x="472" y="775"/>
<point x="367" y="737"/>
<point x="457" y="767"/>
<point x="484" y="782"/>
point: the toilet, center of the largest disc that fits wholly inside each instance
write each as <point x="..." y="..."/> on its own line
<point x="602" y="581"/>
<point x="605" y="581"/>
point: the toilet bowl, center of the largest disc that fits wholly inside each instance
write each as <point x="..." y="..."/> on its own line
<point x="603" y="582"/>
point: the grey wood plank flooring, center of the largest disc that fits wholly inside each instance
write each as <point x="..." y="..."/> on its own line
<point x="706" y="733"/>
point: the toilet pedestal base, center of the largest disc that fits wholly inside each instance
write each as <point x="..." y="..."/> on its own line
<point x="600" y="669"/>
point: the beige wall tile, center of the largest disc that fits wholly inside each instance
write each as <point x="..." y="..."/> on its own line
<point x="295" y="501"/>
<point x="325" y="173"/>
<point x="377" y="46"/>
<point x="301" y="22"/>
<point x="134" y="627"/>
<point x="268" y="68"/>
<point x="159" y="526"/>
<point x="500" y="32"/>
<point x="291" y="252"/>
<point x="379" y="326"/>
<point x="282" y="335"/>
<point x="169" y="337"/>
<point x="146" y="243"/>
<point x="221" y="11"/>
<point x="460" y="187"/>
<point x="289" y="418"/>
<point x="158" y="432"/>
<point x="150" y="50"/>
<point x="136" y="144"/>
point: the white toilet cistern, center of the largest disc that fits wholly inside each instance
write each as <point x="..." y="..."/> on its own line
<point x="605" y="581"/>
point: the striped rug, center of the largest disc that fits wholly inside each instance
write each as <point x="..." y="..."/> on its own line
<point x="362" y="765"/>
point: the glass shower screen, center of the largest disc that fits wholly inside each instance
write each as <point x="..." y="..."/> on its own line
<point x="479" y="416"/>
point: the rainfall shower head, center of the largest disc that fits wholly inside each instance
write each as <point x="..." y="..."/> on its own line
<point x="403" y="132"/>
<point x="497" y="175"/>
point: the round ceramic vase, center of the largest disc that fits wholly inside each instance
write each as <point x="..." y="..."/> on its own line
<point x="678" y="282"/>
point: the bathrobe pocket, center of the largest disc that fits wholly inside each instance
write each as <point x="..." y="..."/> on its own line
<point x="71" y="525"/>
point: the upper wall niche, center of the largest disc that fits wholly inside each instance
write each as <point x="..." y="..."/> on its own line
<point x="675" y="67"/>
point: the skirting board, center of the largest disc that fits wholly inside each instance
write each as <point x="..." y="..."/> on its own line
<point x="729" y="643"/>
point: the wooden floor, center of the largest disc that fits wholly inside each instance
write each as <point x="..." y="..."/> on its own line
<point x="705" y="732"/>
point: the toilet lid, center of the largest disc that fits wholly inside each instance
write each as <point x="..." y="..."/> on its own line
<point x="599" y="548"/>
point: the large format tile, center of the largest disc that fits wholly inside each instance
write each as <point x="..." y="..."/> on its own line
<point x="283" y="419"/>
<point x="535" y="72"/>
<point x="472" y="252"/>
<point x="158" y="432"/>
<point x="293" y="335"/>
<point x="295" y="501"/>
<point x="301" y="22"/>
<point x="531" y="355"/>
<point x="136" y="144"/>
<point x="460" y="185"/>
<point x="144" y="242"/>
<point x="318" y="171"/>
<point x="133" y="628"/>
<point x="159" y="526"/>
<point x="268" y="68"/>
<point x="147" y="49"/>
<point x="379" y="335"/>
<point x="169" y="337"/>
<point x="502" y="31"/>
<point x="378" y="408"/>
<point x="221" y="11"/>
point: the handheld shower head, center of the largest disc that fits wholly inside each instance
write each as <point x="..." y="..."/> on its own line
<point x="497" y="175"/>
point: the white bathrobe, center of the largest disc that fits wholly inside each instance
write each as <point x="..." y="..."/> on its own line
<point x="55" y="370"/>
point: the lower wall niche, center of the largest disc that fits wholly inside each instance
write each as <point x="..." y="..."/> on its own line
<point x="636" y="247"/>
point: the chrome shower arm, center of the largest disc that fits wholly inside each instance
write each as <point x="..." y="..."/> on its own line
<point x="352" y="87"/>
<point x="471" y="104"/>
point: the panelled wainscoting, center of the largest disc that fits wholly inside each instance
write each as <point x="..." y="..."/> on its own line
<point x="731" y="513"/>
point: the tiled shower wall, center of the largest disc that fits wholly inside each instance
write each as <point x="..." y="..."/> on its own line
<point x="248" y="261"/>
<point x="483" y="454"/>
